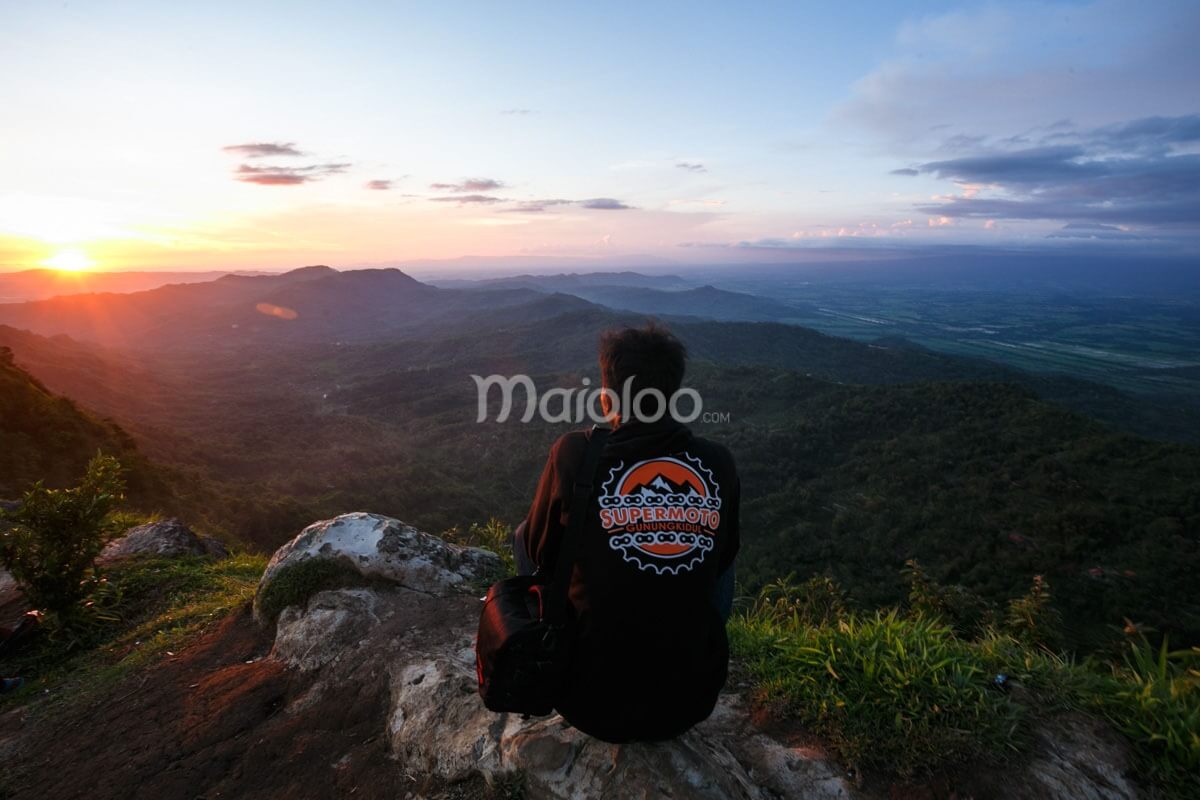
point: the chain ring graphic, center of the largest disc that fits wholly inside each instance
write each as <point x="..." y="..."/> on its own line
<point x="628" y="543"/>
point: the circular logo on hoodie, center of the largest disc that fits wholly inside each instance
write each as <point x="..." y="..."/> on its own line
<point x="661" y="514"/>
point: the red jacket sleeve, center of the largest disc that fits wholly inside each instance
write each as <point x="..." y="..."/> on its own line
<point x="545" y="522"/>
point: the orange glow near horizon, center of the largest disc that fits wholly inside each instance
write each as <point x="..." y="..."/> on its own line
<point x="70" y="260"/>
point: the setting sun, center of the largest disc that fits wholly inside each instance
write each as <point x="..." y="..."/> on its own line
<point x="73" y="260"/>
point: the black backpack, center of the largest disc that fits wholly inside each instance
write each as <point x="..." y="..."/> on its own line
<point x="523" y="646"/>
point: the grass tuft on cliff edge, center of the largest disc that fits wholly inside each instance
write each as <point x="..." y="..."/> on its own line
<point x="905" y="693"/>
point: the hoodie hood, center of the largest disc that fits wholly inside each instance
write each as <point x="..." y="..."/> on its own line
<point x="664" y="436"/>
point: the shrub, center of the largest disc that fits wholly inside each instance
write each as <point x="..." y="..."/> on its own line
<point x="964" y="611"/>
<point x="1032" y="619"/>
<point x="50" y="543"/>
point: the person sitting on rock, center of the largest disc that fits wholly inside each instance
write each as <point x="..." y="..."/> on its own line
<point x="652" y="586"/>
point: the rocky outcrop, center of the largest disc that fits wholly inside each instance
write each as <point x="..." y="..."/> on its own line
<point x="1076" y="758"/>
<point x="379" y="548"/>
<point x="438" y="725"/>
<point x="330" y="622"/>
<point x="414" y="632"/>
<point x="168" y="538"/>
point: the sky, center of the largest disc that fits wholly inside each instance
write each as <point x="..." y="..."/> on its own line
<point x="261" y="135"/>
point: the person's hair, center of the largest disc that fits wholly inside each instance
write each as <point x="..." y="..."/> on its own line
<point x="651" y="355"/>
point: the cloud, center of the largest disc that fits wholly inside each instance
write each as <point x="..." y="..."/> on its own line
<point x="1149" y="135"/>
<point x="263" y="149"/>
<point x="1142" y="171"/>
<point x="905" y="171"/>
<point x="287" y="176"/>
<point x="469" y="199"/>
<point x="1034" y="165"/>
<point x="691" y="166"/>
<point x="600" y="203"/>
<point x="1091" y="230"/>
<point x="520" y="112"/>
<point x="468" y="185"/>
<point x="537" y="206"/>
<point x="605" y="204"/>
<point x="378" y="185"/>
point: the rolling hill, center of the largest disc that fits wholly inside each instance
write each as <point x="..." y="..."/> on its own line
<point x="46" y="437"/>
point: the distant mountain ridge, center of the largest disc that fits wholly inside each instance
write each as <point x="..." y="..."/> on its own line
<point x="316" y="304"/>
<point x="40" y="284"/>
<point x="319" y="306"/>
<point x="568" y="281"/>
<point x="706" y="302"/>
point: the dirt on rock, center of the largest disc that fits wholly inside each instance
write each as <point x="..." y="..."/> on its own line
<point x="211" y="723"/>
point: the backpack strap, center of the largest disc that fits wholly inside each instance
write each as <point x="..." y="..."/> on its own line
<point x="555" y="597"/>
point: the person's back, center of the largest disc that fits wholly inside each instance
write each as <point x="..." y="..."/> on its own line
<point x="658" y="545"/>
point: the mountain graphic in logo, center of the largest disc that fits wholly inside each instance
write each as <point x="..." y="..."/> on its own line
<point x="662" y="485"/>
<point x="662" y="476"/>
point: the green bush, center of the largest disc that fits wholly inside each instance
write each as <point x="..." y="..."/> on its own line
<point x="964" y="611"/>
<point x="50" y="543"/>
<point x="1031" y="617"/>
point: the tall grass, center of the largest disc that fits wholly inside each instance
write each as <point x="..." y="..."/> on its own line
<point x="1153" y="697"/>
<point x="492" y="535"/>
<point x="887" y="692"/>
<point x="906" y="693"/>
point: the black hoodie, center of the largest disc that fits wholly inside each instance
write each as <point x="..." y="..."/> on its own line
<point x="650" y="654"/>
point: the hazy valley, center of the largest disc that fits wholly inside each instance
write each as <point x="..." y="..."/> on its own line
<point x="270" y="401"/>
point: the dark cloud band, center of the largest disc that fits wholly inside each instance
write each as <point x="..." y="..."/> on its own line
<point x="469" y="185"/>
<point x="263" y="149"/>
<point x="1141" y="172"/>
<point x="287" y="176"/>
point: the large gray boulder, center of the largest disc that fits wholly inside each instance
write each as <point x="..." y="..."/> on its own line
<point x="380" y="548"/>
<point x="328" y="624"/>
<point x="168" y="538"/>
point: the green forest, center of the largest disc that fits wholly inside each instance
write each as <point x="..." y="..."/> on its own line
<point x="984" y="483"/>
